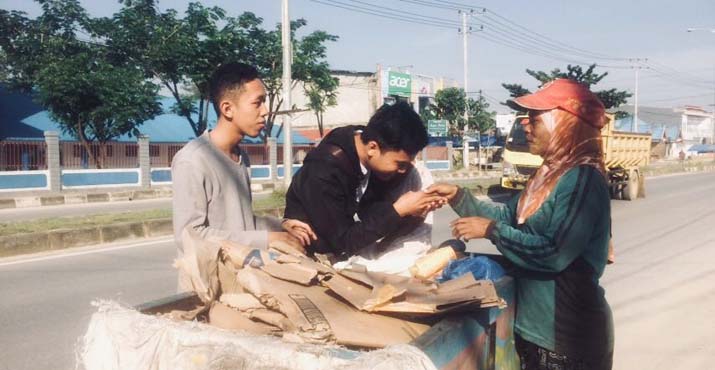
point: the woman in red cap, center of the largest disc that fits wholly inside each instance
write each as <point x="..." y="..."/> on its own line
<point x="556" y="232"/>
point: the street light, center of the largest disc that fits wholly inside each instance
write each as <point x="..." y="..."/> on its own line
<point x="711" y="30"/>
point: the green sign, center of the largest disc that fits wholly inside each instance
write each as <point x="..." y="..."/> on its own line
<point x="399" y="84"/>
<point x="437" y="127"/>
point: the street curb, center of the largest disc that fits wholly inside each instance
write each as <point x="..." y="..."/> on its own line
<point x="69" y="238"/>
<point x="79" y="198"/>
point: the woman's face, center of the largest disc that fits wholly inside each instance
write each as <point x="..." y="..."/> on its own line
<point x="537" y="134"/>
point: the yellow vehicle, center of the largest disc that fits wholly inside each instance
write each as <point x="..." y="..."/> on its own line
<point x="624" y="152"/>
<point x="517" y="163"/>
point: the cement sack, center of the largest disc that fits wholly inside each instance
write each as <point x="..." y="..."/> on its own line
<point x="120" y="338"/>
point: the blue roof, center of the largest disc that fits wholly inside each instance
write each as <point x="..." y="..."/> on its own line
<point x="656" y="130"/>
<point x="23" y="119"/>
<point x="702" y="148"/>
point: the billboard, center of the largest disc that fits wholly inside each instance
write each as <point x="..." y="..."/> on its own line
<point x="399" y="84"/>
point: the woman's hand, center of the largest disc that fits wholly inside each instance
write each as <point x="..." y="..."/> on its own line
<point x="468" y="228"/>
<point x="417" y="203"/>
<point x="447" y="191"/>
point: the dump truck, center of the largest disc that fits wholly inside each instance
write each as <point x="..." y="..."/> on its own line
<point x="624" y="155"/>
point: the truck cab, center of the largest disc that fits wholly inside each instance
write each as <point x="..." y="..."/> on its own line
<point x="518" y="163"/>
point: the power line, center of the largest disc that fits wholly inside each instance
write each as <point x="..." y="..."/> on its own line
<point x="349" y="7"/>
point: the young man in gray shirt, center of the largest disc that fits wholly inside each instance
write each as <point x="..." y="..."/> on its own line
<point x="211" y="180"/>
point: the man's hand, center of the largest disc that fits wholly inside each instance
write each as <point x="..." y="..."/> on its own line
<point x="467" y="228"/>
<point x="417" y="203"/>
<point x="299" y="230"/>
<point x="288" y="239"/>
<point x="447" y="191"/>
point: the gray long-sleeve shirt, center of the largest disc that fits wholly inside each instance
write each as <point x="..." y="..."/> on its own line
<point x="212" y="195"/>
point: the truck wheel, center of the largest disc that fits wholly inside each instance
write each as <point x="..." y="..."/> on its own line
<point x="630" y="191"/>
<point x="641" y="188"/>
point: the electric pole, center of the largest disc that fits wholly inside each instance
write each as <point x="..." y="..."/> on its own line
<point x="287" y="61"/>
<point x="465" y="145"/>
<point x="634" y="126"/>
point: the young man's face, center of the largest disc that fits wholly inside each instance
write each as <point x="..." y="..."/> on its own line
<point x="385" y="164"/>
<point x="247" y="108"/>
<point x="537" y="135"/>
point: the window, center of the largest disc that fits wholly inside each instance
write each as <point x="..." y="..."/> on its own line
<point x="131" y="150"/>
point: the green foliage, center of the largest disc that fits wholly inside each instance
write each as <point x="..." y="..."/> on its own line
<point x="309" y="67"/>
<point x="480" y="118"/>
<point x="321" y="91"/>
<point x="84" y="90"/>
<point x="611" y="98"/>
<point x="450" y="105"/>
<point x="182" y="52"/>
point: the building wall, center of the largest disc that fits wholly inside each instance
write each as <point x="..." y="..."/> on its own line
<point x="697" y="127"/>
<point x="504" y="122"/>
<point x="357" y="101"/>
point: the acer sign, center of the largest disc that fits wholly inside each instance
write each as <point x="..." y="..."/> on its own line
<point x="399" y="84"/>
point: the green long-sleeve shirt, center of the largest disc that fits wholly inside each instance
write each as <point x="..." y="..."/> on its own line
<point x="560" y="253"/>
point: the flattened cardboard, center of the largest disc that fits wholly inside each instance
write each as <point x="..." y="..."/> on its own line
<point x="317" y="307"/>
<point x="291" y="272"/>
<point x="395" y="294"/>
<point x="241" y="301"/>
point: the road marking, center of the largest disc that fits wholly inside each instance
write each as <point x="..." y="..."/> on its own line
<point x="84" y="250"/>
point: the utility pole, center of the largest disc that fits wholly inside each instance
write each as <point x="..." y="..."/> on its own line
<point x="287" y="61"/>
<point x="466" y="30"/>
<point x="634" y="126"/>
<point x="465" y="144"/>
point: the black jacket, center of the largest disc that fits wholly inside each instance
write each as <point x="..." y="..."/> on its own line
<point x="323" y="194"/>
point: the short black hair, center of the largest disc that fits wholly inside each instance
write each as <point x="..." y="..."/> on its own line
<point x="227" y="77"/>
<point x="396" y="127"/>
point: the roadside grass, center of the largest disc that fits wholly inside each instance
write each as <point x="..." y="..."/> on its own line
<point x="263" y="205"/>
<point x="74" y="222"/>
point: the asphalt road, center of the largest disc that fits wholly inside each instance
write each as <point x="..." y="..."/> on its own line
<point x="660" y="289"/>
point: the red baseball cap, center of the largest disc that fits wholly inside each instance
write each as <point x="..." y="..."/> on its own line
<point x="567" y="95"/>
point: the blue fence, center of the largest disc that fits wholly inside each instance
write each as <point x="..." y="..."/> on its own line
<point x="23" y="180"/>
<point x="100" y="178"/>
<point x="94" y="178"/>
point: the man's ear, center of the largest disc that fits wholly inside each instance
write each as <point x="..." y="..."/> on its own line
<point x="227" y="109"/>
<point x="373" y="148"/>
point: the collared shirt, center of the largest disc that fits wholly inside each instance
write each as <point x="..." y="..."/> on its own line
<point x="363" y="183"/>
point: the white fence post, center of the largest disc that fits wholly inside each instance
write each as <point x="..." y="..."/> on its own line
<point x="144" y="161"/>
<point x="273" y="157"/>
<point x="54" y="178"/>
<point x="450" y="154"/>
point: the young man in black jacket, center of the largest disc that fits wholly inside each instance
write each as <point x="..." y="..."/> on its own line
<point x="326" y="193"/>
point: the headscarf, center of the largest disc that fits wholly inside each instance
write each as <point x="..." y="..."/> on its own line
<point x="573" y="143"/>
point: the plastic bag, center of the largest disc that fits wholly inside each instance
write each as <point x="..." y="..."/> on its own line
<point x="482" y="267"/>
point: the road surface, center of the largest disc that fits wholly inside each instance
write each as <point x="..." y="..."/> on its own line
<point x="660" y="289"/>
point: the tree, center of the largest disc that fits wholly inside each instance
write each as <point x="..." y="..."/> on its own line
<point x="309" y="67"/>
<point x="611" y="98"/>
<point x="480" y="118"/>
<point x="181" y="53"/>
<point x="89" y="97"/>
<point x="321" y="91"/>
<point x="449" y="105"/>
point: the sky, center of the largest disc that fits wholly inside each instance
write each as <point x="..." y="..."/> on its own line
<point x="675" y="67"/>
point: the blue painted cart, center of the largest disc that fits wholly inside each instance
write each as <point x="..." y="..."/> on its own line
<point x="483" y="339"/>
